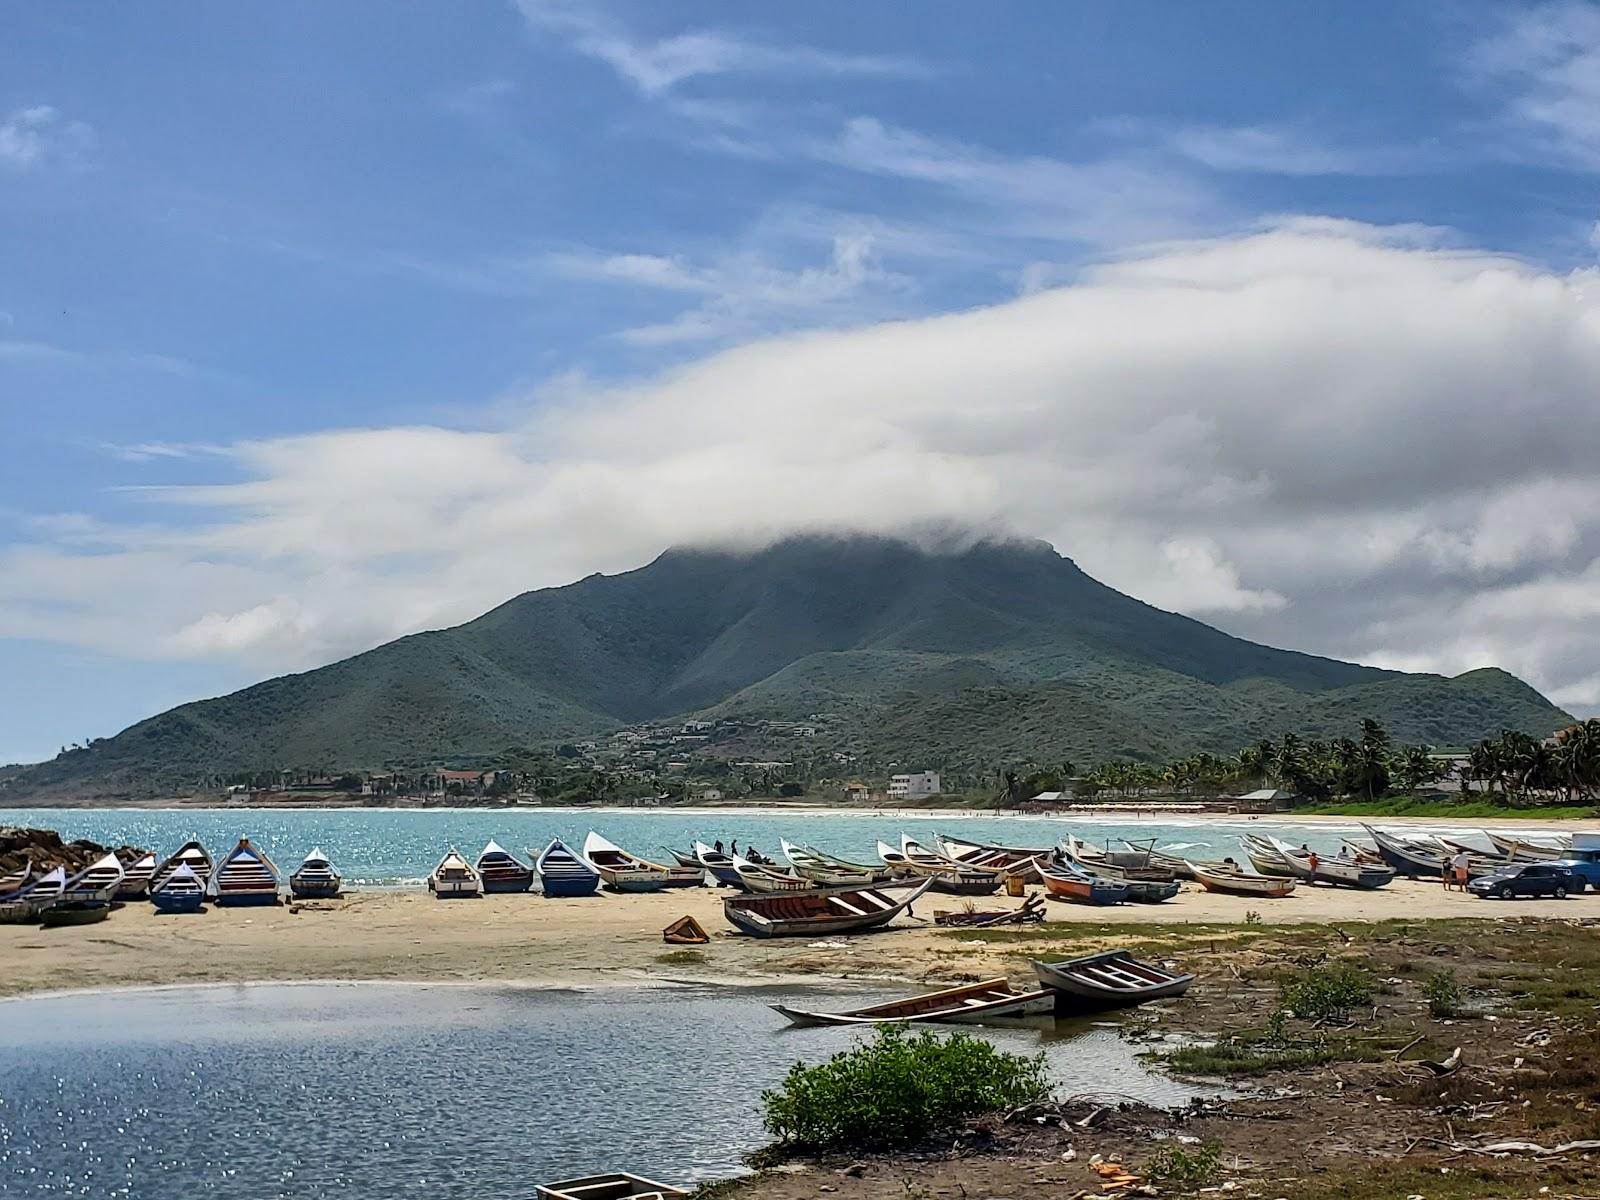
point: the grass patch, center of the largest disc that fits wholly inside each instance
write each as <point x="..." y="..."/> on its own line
<point x="1245" y="1055"/>
<point x="898" y="1089"/>
<point x="1184" y="1167"/>
<point x="1412" y="806"/>
<point x="1387" y="1180"/>
<point x="682" y="958"/>
<point x="1443" y="994"/>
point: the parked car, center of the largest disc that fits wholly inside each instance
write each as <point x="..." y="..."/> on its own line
<point x="1527" y="879"/>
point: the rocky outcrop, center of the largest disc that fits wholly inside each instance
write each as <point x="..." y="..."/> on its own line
<point x="44" y="849"/>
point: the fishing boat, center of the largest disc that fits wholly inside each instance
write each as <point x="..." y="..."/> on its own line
<point x="829" y="870"/>
<point x="1267" y="858"/>
<point x="182" y="891"/>
<point x="136" y="877"/>
<point x="1335" y="870"/>
<point x="192" y="855"/>
<point x="1234" y="882"/>
<point x="1528" y="851"/>
<point x="1108" y="980"/>
<point x="613" y="1185"/>
<point x="971" y="1004"/>
<point x="244" y="876"/>
<point x="1167" y="860"/>
<point x="315" y="878"/>
<point x="948" y="876"/>
<point x="1409" y="857"/>
<point x="627" y="872"/>
<point x="821" y="912"/>
<point x="1011" y="860"/>
<point x="757" y="877"/>
<point x="27" y="902"/>
<point x="454" y="878"/>
<point x="1146" y="884"/>
<point x="564" y="874"/>
<point x="15" y="881"/>
<point x="1078" y="887"/>
<point x="501" y="871"/>
<point x="80" y="911"/>
<point x="719" y="864"/>
<point x="98" y="881"/>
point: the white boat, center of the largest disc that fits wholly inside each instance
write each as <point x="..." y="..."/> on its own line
<point x="98" y="881"/>
<point x="136" y="878"/>
<point x="1235" y="882"/>
<point x="624" y="871"/>
<point x="1338" y="871"/>
<point x="759" y="878"/>
<point x="454" y="877"/>
<point x="1012" y="860"/>
<point x="947" y="875"/>
<point x="824" y="872"/>
<point x="315" y="878"/>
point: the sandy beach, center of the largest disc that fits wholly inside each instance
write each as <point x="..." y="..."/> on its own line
<point x="612" y="939"/>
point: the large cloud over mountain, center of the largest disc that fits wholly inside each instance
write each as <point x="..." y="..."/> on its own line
<point x="1357" y="441"/>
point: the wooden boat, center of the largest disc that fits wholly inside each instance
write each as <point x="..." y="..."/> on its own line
<point x="1356" y="852"/>
<point x="15" y="881"/>
<point x="1108" y="980"/>
<point x="946" y="875"/>
<point x="626" y="872"/>
<point x="1240" y="883"/>
<point x="315" y="878"/>
<point x="1146" y="884"/>
<point x="26" y="903"/>
<point x="827" y="871"/>
<point x="757" y="877"/>
<point x="613" y="1185"/>
<point x="81" y="911"/>
<point x="1267" y="858"/>
<point x="136" y="877"/>
<point x="245" y="876"/>
<point x="563" y="874"/>
<point x="719" y="864"/>
<point x="192" y="855"/>
<point x="1337" y="871"/>
<point x="454" y="878"/>
<point x="685" y="931"/>
<point x="1415" y="858"/>
<point x="98" y="881"/>
<point x="1079" y="887"/>
<point x="1167" y="860"/>
<point x="1011" y="860"/>
<point x="1516" y="848"/>
<point x="1030" y="912"/>
<point x="501" y="871"/>
<point x="182" y="891"/>
<point x="821" y="911"/>
<point x="971" y="1004"/>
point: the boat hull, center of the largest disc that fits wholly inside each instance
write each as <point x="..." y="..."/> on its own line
<point x="502" y="886"/>
<point x="314" y="891"/>
<point x="819" y="911"/>
<point x="79" y="912"/>
<point x="571" y="888"/>
<point x="246" y="899"/>
<point x="177" y="904"/>
<point x="1110" y="980"/>
<point x="976" y="1004"/>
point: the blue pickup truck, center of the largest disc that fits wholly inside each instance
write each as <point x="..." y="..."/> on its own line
<point x="1584" y="860"/>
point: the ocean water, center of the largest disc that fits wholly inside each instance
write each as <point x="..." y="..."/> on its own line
<point x="386" y="847"/>
<point x="384" y="1092"/>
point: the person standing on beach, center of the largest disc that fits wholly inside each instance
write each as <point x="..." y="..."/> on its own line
<point x="1459" y="866"/>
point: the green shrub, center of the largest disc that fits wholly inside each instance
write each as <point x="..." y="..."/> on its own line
<point x="897" y="1089"/>
<point x="1252" y="917"/>
<point x="1186" y="1169"/>
<point x="1325" y="992"/>
<point x="1443" y="994"/>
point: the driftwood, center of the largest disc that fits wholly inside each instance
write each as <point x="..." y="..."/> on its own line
<point x="1032" y="910"/>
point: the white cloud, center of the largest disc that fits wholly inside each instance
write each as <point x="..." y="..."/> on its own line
<point x="1277" y="150"/>
<point x="36" y="136"/>
<point x="1546" y="61"/>
<point x="1351" y="440"/>
<point x="656" y="66"/>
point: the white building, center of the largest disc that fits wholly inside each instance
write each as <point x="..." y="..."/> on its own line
<point x="914" y="787"/>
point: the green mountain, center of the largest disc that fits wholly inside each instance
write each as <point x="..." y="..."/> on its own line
<point x="999" y="650"/>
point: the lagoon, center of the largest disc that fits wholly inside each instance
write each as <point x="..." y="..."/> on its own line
<point x="382" y="1091"/>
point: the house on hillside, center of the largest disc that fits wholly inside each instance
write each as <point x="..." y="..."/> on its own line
<point x="460" y="783"/>
<point x="857" y="792"/>
<point x="917" y="785"/>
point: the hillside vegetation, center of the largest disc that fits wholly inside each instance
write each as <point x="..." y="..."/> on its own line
<point x="999" y="650"/>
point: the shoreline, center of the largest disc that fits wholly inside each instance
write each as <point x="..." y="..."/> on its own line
<point x="608" y="940"/>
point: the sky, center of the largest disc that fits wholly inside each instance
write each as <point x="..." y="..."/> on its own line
<point x="322" y="324"/>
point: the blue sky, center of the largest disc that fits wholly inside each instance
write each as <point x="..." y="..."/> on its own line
<point x="306" y="309"/>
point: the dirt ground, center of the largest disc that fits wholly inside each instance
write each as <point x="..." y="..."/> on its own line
<point x="1388" y="1128"/>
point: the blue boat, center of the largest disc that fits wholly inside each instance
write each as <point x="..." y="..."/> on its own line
<point x="1077" y="887"/>
<point x="182" y="891"/>
<point x="563" y="873"/>
<point x="719" y="864"/>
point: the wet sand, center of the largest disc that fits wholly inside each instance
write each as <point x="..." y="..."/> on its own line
<point x="612" y="939"/>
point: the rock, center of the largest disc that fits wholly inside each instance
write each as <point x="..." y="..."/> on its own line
<point x="44" y="849"/>
<point x="855" y="1170"/>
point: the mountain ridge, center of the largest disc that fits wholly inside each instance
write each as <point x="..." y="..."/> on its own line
<point x="993" y="649"/>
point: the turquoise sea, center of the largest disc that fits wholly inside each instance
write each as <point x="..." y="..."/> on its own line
<point x="397" y="847"/>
